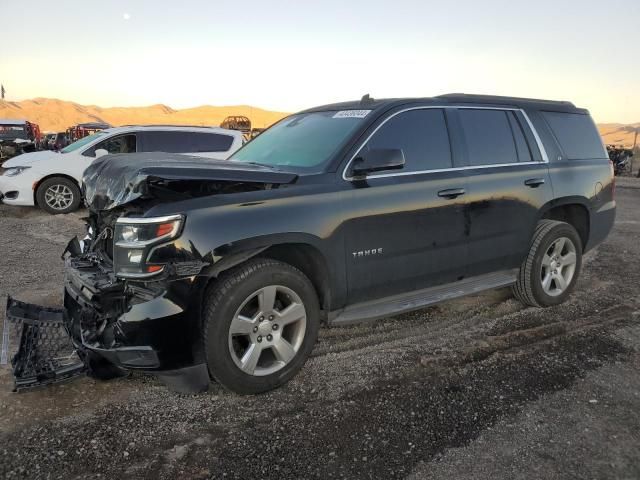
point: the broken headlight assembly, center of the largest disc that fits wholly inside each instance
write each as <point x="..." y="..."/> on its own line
<point x="135" y="238"/>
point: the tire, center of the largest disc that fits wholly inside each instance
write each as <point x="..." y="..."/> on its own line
<point x="58" y="195"/>
<point x="537" y="285"/>
<point x="280" y="343"/>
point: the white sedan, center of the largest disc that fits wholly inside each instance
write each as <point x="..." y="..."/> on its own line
<point x="51" y="180"/>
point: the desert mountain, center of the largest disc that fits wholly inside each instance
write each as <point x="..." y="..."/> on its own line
<point x="619" y="134"/>
<point x="57" y="115"/>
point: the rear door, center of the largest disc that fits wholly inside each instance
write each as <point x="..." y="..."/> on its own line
<point x="508" y="182"/>
<point x="405" y="232"/>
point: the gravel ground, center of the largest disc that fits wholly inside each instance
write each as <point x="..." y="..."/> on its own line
<point x="475" y="388"/>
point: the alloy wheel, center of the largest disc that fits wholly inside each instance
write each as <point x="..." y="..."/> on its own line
<point x="267" y="330"/>
<point x="558" y="266"/>
<point x="58" y="197"/>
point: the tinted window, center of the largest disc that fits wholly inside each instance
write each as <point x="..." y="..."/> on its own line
<point x="488" y="135"/>
<point x="524" y="153"/>
<point x="186" y="142"/>
<point x="304" y="142"/>
<point x="577" y="135"/>
<point x="422" y="136"/>
<point x="116" y="144"/>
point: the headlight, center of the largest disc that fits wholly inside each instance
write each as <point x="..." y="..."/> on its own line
<point x="134" y="238"/>
<point x="13" y="171"/>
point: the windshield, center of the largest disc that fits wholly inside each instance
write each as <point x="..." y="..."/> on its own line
<point x="12" y="131"/>
<point x="82" y="142"/>
<point x="302" y="142"/>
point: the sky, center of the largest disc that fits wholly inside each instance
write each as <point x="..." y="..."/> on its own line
<point x="289" y="55"/>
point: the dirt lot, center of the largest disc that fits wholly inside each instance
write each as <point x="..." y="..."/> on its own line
<point x="476" y="388"/>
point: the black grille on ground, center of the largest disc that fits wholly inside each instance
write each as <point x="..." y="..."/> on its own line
<point x="45" y="353"/>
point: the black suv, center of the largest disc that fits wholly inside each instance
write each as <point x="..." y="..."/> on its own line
<point x="225" y="269"/>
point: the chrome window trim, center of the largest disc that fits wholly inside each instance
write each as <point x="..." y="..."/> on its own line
<point x="543" y="152"/>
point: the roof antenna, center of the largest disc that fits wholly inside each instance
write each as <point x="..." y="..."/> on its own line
<point x="366" y="99"/>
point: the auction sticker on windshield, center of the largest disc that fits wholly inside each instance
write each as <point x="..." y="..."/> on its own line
<point x="352" y="114"/>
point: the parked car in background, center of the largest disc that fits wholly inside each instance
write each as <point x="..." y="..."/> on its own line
<point x="48" y="140"/>
<point x="337" y="214"/>
<point x="240" y="123"/>
<point x="82" y="130"/>
<point x="51" y="180"/>
<point x="18" y="136"/>
<point x="60" y="141"/>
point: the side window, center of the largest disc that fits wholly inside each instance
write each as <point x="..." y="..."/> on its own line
<point x="577" y="135"/>
<point x="115" y="144"/>
<point x="488" y="136"/>
<point x="210" y="142"/>
<point x="421" y="134"/>
<point x="186" y="142"/>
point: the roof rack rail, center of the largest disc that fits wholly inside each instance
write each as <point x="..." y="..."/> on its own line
<point x="498" y="98"/>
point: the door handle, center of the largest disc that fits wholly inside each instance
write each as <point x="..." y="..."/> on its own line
<point x="534" y="182"/>
<point x="451" y="193"/>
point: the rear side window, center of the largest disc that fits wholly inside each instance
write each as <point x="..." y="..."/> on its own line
<point x="577" y="135"/>
<point x="421" y="134"/>
<point x="186" y="142"/>
<point x="489" y="136"/>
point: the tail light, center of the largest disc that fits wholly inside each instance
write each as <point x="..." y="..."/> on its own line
<point x="613" y="180"/>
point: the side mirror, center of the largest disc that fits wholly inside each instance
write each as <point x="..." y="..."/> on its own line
<point x="378" y="159"/>
<point x="101" y="152"/>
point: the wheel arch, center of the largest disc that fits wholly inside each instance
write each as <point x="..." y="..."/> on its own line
<point x="47" y="177"/>
<point x="572" y="210"/>
<point x="297" y="251"/>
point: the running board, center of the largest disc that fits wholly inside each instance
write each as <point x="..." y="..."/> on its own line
<point x="406" y="302"/>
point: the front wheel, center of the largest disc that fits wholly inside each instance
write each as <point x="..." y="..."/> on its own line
<point x="261" y="322"/>
<point x="550" y="271"/>
<point x="58" y="195"/>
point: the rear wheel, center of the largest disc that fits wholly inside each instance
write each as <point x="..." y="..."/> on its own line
<point x="58" y="195"/>
<point x="261" y="323"/>
<point x="550" y="271"/>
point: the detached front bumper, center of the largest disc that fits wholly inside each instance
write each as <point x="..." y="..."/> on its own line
<point x="151" y="326"/>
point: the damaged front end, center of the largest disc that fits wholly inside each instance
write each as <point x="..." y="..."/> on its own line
<point x="133" y="286"/>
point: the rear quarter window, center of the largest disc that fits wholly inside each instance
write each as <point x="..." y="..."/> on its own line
<point x="577" y="135"/>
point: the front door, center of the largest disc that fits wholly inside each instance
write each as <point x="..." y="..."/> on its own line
<point x="407" y="229"/>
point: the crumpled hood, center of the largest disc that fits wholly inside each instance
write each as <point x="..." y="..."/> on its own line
<point x="115" y="180"/>
<point x="28" y="159"/>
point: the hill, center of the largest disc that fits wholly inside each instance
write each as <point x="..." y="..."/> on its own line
<point x="57" y="115"/>
<point x="619" y="134"/>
